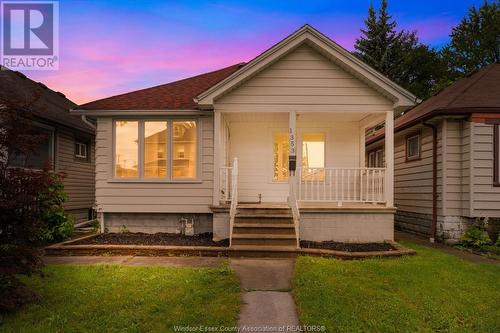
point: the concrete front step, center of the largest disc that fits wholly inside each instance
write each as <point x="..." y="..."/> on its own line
<point x="265" y="219"/>
<point x="260" y="251"/>
<point x="264" y="228"/>
<point x="264" y="239"/>
<point x="264" y="211"/>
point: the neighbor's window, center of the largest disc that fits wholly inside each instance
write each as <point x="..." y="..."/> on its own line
<point x="39" y="157"/>
<point x="126" y="149"/>
<point x="167" y="149"/>
<point x="155" y="149"/>
<point x="184" y="149"/>
<point x="280" y="156"/>
<point x="313" y="156"/>
<point x="496" y="155"/>
<point x="413" y="147"/>
<point x="81" y="150"/>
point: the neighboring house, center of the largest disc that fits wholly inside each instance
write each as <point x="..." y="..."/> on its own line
<point x="166" y="156"/>
<point x="69" y="148"/>
<point x="457" y="130"/>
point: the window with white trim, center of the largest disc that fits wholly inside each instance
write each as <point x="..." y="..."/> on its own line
<point x="313" y="156"/>
<point x="164" y="149"/>
<point x="81" y="150"/>
<point x="413" y="147"/>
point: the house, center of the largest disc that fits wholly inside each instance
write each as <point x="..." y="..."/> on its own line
<point x="447" y="157"/>
<point x="69" y="148"/>
<point x="279" y="139"/>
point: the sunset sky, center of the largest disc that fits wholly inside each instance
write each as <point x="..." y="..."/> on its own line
<point x="110" y="47"/>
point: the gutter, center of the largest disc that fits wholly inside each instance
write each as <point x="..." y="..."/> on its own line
<point x="90" y="124"/>
<point x="432" y="237"/>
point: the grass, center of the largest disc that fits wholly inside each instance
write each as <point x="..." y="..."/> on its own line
<point x="429" y="292"/>
<point x="103" y="298"/>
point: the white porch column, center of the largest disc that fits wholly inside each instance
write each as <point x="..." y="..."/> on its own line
<point x="362" y="146"/>
<point x="217" y="155"/>
<point x="292" y="133"/>
<point x="389" y="158"/>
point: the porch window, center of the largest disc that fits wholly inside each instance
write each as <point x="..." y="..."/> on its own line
<point x="126" y="149"/>
<point x="280" y="156"/>
<point x="376" y="158"/>
<point x="413" y="147"/>
<point x="156" y="149"/>
<point x="313" y="156"/>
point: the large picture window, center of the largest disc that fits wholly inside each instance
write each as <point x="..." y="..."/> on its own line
<point x="156" y="149"/>
<point x="313" y="156"/>
<point x="280" y="156"/>
<point x="39" y="157"/>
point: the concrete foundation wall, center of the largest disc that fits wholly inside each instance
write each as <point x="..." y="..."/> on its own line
<point x="156" y="222"/>
<point x="448" y="227"/>
<point x="221" y="226"/>
<point x="347" y="227"/>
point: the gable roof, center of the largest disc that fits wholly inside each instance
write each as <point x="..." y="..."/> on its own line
<point x="478" y="92"/>
<point x="178" y="95"/>
<point x="402" y="98"/>
<point x="45" y="103"/>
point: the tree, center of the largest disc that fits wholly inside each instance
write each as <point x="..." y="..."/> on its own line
<point x="398" y="55"/>
<point x="475" y="42"/>
<point x="29" y="204"/>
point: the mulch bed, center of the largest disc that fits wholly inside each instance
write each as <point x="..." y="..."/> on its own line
<point x="138" y="238"/>
<point x="347" y="247"/>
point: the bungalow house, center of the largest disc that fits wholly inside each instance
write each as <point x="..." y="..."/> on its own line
<point x="447" y="157"/>
<point x="69" y="146"/>
<point x="263" y="153"/>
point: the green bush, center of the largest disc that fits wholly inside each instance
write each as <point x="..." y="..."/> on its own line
<point x="475" y="237"/>
<point x="59" y="225"/>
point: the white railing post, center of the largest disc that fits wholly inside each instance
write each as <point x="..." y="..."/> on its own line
<point x="234" y="198"/>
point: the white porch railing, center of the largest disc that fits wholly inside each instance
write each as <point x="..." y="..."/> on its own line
<point x="365" y="185"/>
<point x="234" y="198"/>
<point x="225" y="183"/>
<point x="294" y="205"/>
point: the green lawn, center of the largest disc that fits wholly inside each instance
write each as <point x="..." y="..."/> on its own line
<point x="128" y="299"/>
<point x="430" y="292"/>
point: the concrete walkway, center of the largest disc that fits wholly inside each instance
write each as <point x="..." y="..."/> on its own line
<point x="268" y="306"/>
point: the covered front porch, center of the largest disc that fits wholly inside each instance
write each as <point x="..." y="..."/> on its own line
<point x="331" y="195"/>
<point x="329" y="150"/>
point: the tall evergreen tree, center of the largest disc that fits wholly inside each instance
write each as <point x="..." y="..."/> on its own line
<point x="398" y="55"/>
<point x="475" y="42"/>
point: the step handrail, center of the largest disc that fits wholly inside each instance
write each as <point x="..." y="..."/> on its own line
<point x="293" y="203"/>
<point x="234" y="198"/>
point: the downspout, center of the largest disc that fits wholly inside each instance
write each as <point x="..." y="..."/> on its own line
<point x="434" y="181"/>
<point x="86" y="121"/>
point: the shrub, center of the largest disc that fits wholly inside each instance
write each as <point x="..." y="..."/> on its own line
<point x="475" y="237"/>
<point x="30" y="205"/>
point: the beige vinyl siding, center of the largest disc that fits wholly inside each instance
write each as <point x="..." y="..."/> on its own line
<point x="79" y="181"/>
<point x="454" y="172"/>
<point x="486" y="197"/>
<point x="303" y="80"/>
<point x="153" y="197"/>
<point x="413" y="179"/>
